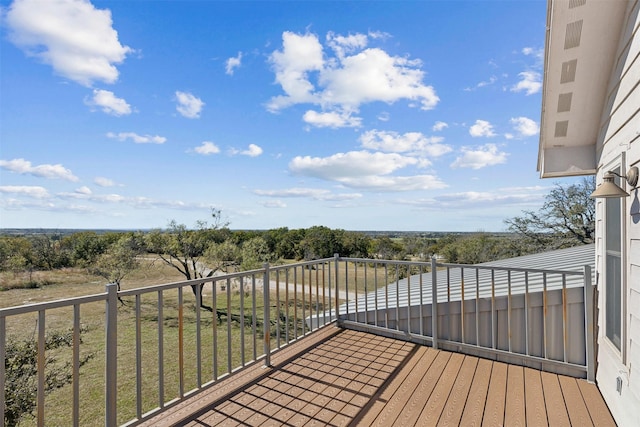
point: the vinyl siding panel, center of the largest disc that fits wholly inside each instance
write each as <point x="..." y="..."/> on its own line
<point x="619" y="144"/>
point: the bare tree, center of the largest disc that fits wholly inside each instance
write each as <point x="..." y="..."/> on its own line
<point x="566" y="219"/>
<point x="182" y="248"/>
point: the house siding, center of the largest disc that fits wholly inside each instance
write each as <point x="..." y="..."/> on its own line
<point x="619" y="144"/>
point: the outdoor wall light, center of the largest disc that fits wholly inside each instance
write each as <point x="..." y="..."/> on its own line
<point x="609" y="189"/>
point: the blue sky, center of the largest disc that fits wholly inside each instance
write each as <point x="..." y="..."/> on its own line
<point x="384" y="115"/>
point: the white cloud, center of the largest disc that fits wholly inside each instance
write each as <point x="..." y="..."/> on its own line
<point x="109" y="103"/>
<point x="332" y="119"/>
<point x="25" y="190"/>
<point x="410" y="142"/>
<point x="233" y="63"/>
<point x="480" y="157"/>
<point x="439" y="126"/>
<point x="384" y="116"/>
<point x="372" y="75"/>
<point x="530" y="82"/>
<point x="72" y="36"/>
<point x="354" y="75"/>
<point x="528" y="196"/>
<point x="84" y="190"/>
<point x="189" y="105"/>
<point x="312" y="193"/>
<point x="537" y="53"/>
<point x="138" y="139"/>
<point x="351" y="164"/>
<point x="483" y="83"/>
<point x="365" y="170"/>
<point x="103" y="182"/>
<point x="343" y="45"/>
<point x="253" y="151"/>
<point x="300" y="55"/>
<point x="279" y="204"/>
<point x="24" y="167"/>
<point x="525" y="126"/>
<point x="207" y="148"/>
<point x="482" y="128"/>
<point x="395" y="183"/>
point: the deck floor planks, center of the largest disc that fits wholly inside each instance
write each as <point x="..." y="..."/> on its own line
<point x="414" y="386"/>
<point x="554" y="400"/>
<point x="515" y="402"/>
<point x="452" y="412"/>
<point x="534" y="399"/>
<point x="356" y="378"/>
<point x="438" y="398"/>
<point x="414" y="395"/>
<point x="578" y="413"/>
<point x="600" y="414"/>
<point x="474" y="406"/>
<point x="424" y="356"/>
<point x="496" y="396"/>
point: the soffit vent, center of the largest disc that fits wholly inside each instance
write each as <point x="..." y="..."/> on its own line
<point x="564" y="102"/>
<point x="572" y="36"/>
<point x="568" y="73"/>
<point x="576" y="3"/>
<point x="561" y="129"/>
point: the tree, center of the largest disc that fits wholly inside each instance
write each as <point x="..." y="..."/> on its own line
<point x="222" y="256"/>
<point x="356" y="244"/>
<point x="255" y="252"/>
<point x="289" y="246"/>
<point x="117" y="261"/>
<point x="84" y="247"/>
<point x="47" y="252"/>
<point x="321" y="242"/>
<point x="385" y="248"/>
<point x="181" y="248"/>
<point x="566" y="219"/>
<point x="21" y="361"/>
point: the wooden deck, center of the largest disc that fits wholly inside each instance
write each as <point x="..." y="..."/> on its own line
<point x="340" y="377"/>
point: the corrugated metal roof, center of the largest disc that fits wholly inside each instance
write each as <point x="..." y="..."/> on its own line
<point x="476" y="281"/>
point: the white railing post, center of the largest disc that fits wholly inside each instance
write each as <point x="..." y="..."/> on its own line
<point x="267" y="315"/>
<point x="336" y="257"/>
<point x="111" y="355"/>
<point x="434" y="302"/>
<point x="589" y="327"/>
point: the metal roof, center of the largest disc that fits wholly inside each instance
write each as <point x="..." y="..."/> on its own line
<point x="532" y="273"/>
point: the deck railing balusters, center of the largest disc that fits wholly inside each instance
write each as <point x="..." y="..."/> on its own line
<point x="180" y="343"/>
<point x="75" y="375"/>
<point x="355" y="306"/>
<point x="526" y="312"/>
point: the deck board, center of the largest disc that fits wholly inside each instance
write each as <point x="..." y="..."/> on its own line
<point x="496" y="396"/>
<point x="343" y="378"/>
<point x="534" y="399"/>
<point x="476" y="401"/>
<point x="554" y="400"/>
<point x="578" y="413"/>
<point x="600" y="414"/>
<point x="515" y="401"/>
<point x="438" y="398"/>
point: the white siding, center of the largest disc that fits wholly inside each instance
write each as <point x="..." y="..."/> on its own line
<point x="619" y="142"/>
